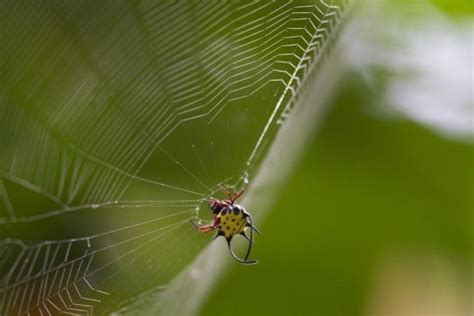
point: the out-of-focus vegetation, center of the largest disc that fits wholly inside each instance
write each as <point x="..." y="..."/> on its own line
<point x="455" y="7"/>
<point x="377" y="218"/>
<point x="368" y="190"/>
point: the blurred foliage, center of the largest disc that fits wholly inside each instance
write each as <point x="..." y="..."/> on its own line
<point x="368" y="187"/>
<point x="456" y="7"/>
<point x="372" y="188"/>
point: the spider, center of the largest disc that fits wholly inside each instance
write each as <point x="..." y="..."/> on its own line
<point x="230" y="219"/>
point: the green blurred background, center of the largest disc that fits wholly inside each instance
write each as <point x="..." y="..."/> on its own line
<point x="368" y="190"/>
<point x="377" y="217"/>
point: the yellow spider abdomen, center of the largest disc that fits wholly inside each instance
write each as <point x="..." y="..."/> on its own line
<point x="230" y="223"/>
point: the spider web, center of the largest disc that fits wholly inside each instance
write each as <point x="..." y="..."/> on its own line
<point x="118" y="119"/>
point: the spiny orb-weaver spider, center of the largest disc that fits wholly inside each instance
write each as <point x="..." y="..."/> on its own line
<point x="230" y="219"/>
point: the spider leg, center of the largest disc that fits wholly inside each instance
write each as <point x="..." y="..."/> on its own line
<point x="204" y="228"/>
<point x="195" y="226"/>
<point x="238" y="195"/>
<point x="232" y="197"/>
<point x="227" y="193"/>
<point x="207" y="228"/>
<point x="213" y="201"/>
<point x="237" y="258"/>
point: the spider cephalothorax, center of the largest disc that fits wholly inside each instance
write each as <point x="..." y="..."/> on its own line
<point x="230" y="219"/>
